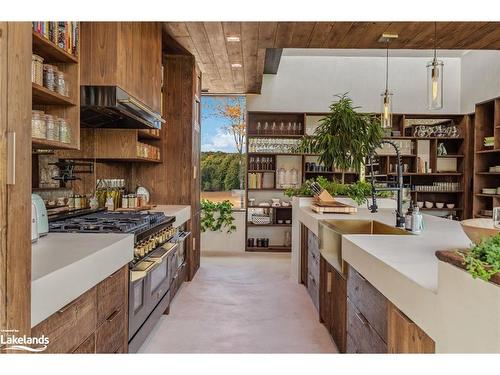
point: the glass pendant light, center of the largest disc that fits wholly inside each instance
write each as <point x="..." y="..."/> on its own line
<point x="435" y="79"/>
<point x="386" y="113"/>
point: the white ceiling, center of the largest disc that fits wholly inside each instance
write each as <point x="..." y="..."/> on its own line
<point x="371" y="52"/>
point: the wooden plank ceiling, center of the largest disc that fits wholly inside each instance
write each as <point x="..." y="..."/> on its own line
<point x="235" y="67"/>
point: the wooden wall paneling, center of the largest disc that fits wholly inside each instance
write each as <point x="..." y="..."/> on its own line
<point x="15" y="251"/>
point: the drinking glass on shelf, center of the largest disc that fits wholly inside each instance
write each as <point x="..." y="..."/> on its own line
<point x="300" y="128"/>
<point x="289" y="129"/>
<point x="259" y="127"/>
<point x="282" y="128"/>
<point x="266" y="128"/>
<point x="273" y="128"/>
<point x="496" y="217"/>
<point x="257" y="164"/>
<point x="294" y="128"/>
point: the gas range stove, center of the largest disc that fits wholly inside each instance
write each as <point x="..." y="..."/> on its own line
<point x="141" y="224"/>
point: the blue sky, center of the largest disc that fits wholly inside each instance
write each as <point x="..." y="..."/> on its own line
<point x="213" y="136"/>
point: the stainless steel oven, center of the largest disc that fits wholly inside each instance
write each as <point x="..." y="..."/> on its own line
<point x="180" y="239"/>
<point x="150" y="281"/>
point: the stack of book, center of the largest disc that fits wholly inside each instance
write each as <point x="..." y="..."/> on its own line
<point x="63" y="34"/>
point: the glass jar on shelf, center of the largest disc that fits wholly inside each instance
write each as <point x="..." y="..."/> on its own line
<point x="49" y="76"/>
<point x="37" y="69"/>
<point x="61" y="83"/>
<point x="64" y="130"/>
<point x="51" y="128"/>
<point x="38" y="125"/>
<point x="281" y="178"/>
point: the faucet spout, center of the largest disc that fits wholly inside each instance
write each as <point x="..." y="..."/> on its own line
<point x="400" y="219"/>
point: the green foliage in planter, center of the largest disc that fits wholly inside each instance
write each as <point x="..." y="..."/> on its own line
<point x="483" y="259"/>
<point x="217" y="216"/>
<point x="344" y="137"/>
<point x="358" y="191"/>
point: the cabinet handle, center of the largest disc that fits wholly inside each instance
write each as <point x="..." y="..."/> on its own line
<point x="11" y="158"/>
<point x="361" y="318"/>
<point x="329" y="282"/>
<point x="64" y="308"/>
<point x="112" y="316"/>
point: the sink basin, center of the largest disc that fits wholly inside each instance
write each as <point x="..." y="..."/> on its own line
<point x="331" y="231"/>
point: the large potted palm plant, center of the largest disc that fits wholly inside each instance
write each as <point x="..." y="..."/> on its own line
<point x="344" y="137"/>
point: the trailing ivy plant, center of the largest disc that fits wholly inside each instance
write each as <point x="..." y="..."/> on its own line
<point x="344" y="137"/>
<point x="217" y="216"/>
<point x="483" y="260"/>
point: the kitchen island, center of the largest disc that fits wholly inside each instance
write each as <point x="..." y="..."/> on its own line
<point x="459" y="313"/>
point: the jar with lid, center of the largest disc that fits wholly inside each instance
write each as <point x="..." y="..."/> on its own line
<point x="78" y="202"/>
<point x="38" y="125"/>
<point x="49" y="76"/>
<point x="50" y="124"/>
<point x="124" y="201"/>
<point x="132" y="201"/>
<point x="64" y="130"/>
<point x="61" y="83"/>
<point x="37" y="69"/>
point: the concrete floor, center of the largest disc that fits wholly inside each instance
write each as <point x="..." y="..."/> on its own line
<point x="242" y="303"/>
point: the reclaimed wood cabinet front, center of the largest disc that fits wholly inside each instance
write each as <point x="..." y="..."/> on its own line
<point x="95" y="322"/>
<point x="124" y="54"/>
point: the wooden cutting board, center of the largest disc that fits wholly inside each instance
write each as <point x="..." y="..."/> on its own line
<point x="333" y="208"/>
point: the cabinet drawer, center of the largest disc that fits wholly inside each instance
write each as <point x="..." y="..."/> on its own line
<point x="313" y="243"/>
<point x="70" y="326"/>
<point x="369" y="301"/>
<point x="112" y="333"/>
<point x="361" y="336"/>
<point x="313" y="265"/>
<point x="313" y="289"/>
<point x="87" y="347"/>
<point x="111" y="294"/>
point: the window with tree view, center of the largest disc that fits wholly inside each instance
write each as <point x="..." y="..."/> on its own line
<point x="223" y="137"/>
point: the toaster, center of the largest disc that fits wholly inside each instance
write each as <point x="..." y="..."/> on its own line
<point x="42" y="221"/>
<point x="34" y="229"/>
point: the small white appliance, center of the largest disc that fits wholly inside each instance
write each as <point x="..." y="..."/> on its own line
<point x="42" y="221"/>
<point x="34" y="228"/>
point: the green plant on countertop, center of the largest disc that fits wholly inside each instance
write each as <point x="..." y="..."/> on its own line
<point x="483" y="260"/>
<point x="344" y="137"/>
<point x="358" y="191"/>
<point x="217" y="216"/>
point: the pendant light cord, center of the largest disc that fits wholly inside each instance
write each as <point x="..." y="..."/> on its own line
<point x="435" y="40"/>
<point x="387" y="68"/>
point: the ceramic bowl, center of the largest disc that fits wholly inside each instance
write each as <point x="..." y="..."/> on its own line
<point x="420" y="204"/>
<point x="450" y="205"/>
<point x="489" y="191"/>
<point x="439" y="204"/>
<point x="476" y="229"/>
<point x="428" y="204"/>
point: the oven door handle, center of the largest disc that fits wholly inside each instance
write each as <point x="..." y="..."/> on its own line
<point x="136" y="275"/>
<point x="161" y="258"/>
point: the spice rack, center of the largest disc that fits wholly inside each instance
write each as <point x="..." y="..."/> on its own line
<point x="486" y="158"/>
<point x="62" y="104"/>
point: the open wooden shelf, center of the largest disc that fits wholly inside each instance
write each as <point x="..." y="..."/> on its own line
<point x="441" y="209"/>
<point x="487" y="195"/>
<point x="42" y="95"/>
<point x="45" y="144"/>
<point x="270" y="249"/>
<point x="490" y="151"/>
<point x="261" y="170"/>
<point x="144" y="134"/>
<point x="451" y="156"/>
<point x="50" y="51"/>
<point x="268" y="225"/>
<point x="274" y="136"/>
<point x="489" y="173"/>
<point x="437" y="192"/>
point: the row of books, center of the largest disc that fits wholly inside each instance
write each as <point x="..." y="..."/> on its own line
<point x="63" y="34"/>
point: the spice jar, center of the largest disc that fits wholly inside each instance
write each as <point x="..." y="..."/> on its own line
<point x="78" y="202"/>
<point x="132" y="201"/>
<point x="61" y="83"/>
<point x="64" y="130"/>
<point x="50" y="123"/>
<point x="125" y="201"/>
<point x="37" y="69"/>
<point x="49" y="76"/>
<point x="38" y="126"/>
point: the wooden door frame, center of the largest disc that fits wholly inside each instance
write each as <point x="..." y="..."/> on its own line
<point x="15" y="199"/>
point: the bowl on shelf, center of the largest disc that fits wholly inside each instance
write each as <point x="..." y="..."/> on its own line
<point x="477" y="229"/>
<point x="497" y="168"/>
<point x="429" y="204"/>
<point x="489" y="191"/>
<point x="439" y="204"/>
<point x="450" y="205"/>
<point x="420" y="204"/>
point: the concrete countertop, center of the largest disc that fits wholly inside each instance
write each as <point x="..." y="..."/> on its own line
<point x="65" y="265"/>
<point x="443" y="300"/>
<point x="182" y="213"/>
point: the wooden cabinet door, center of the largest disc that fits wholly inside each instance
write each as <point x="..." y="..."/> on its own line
<point x="195" y="246"/>
<point x="404" y="336"/>
<point x="325" y="293"/>
<point x="361" y="336"/>
<point x="338" y="326"/>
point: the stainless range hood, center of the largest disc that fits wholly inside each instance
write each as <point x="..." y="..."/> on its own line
<point x="112" y="107"/>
